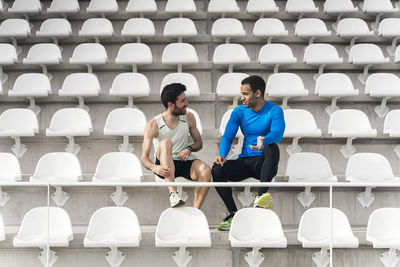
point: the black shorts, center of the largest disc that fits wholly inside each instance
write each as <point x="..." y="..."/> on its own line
<point x="182" y="168"/>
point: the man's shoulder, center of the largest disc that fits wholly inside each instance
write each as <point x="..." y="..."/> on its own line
<point x="272" y="106"/>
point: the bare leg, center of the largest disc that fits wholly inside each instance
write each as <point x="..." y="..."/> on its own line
<point x="200" y="172"/>
<point x="164" y="154"/>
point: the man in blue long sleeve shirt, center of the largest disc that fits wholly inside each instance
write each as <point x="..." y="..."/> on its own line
<point x="262" y="124"/>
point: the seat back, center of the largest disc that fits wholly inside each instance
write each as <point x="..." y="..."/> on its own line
<point x="308" y="27"/>
<point x="96" y="27"/>
<point x="130" y="119"/>
<point x="377" y="6"/>
<point x="8" y="54"/>
<point x="299" y="5"/>
<point x="383" y="84"/>
<point x="392" y="122"/>
<point x="31" y="84"/>
<point x="134" y="53"/>
<point x="334" y="84"/>
<point x="17" y="28"/>
<point x="180" y="6"/>
<point x="187" y="79"/>
<point x="350" y="27"/>
<point x="261" y="6"/>
<point x="118" y="166"/>
<point x="55" y="27"/>
<point x="138" y="27"/>
<point x="81" y="84"/>
<point x="389" y="27"/>
<point x="19" y="119"/>
<point x="276" y="54"/>
<point x="229" y="84"/>
<point x="223" y="6"/>
<point x="299" y="122"/>
<point x="347" y="120"/>
<point x="63" y="6"/>
<point x="227" y="27"/>
<point x="383" y="227"/>
<point x="179" y="53"/>
<point x="368" y="167"/>
<point x="141" y="6"/>
<point x="282" y="84"/>
<point x="339" y="6"/>
<point x="360" y="53"/>
<point x="230" y="54"/>
<point x="122" y="85"/>
<point x="89" y="52"/>
<point x="22" y="6"/>
<point x="10" y="168"/>
<point x="42" y="53"/>
<point x="102" y="6"/>
<point x="197" y="118"/>
<point x="176" y="27"/>
<point x="266" y="27"/>
<point x="321" y="53"/>
<point x="72" y="119"/>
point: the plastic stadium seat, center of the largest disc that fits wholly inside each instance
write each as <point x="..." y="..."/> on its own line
<point x="311" y="28"/>
<point x="134" y="54"/>
<point x="80" y="85"/>
<point x="10" y="173"/>
<point x="125" y="122"/>
<point x="17" y="123"/>
<point x="378" y="7"/>
<point x="367" y="55"/>
<point x="276" y="54"/>
<point x="339" y="8"/>
<point x="89" y="54"/>
<point x="173" y="231"/>
<point x="15" y="29"/>
<point x="315" y="231"/>
<point x="322" y="55"/>
<point x="256" y="228"/>
<point x="31" y="85"/>
<point x="227" y="28"/>
<point x="122" y="86"/>
<point x="197" y="118"/>
<point x="102" y="7"/>
<point x="390" y="28"/>
<point x="307" y="167"/>
<point x="70" y="122"/>
<point x="269" y="28"/>
<point x="25" y="7"/>
<point x="229" y="86"/>
<point x="299" y="123"/>
<point x="300" y="7"/>
<point x="179" y="54"/>
<point x="334" y="85"/>
<point x="118" y="167"/>
<point x="230" y="54"/>
<point x="369" y="168"/>
<point x="285" y="85"/>
<point x="223" y="6"/>
<point x="180" y="27"/>
<point x="43" y="55"/>
<point x="180" y="6"/>
<point x="261" y="7"/>
<point x="113" y="227"/>
<point x="187" y="79"/>
<point x="385" y="86"/>
<point x="97" y="28"/>
<point x="383" y="232"/>
<point x="397" y="55"/>
<point x="63" y="7"/>
<point x="58" y="167"/>
<point x="2" y="229"/>
<point x="141" y="6"/>
<point x="350" y="123"/>
<point x="8" y="56"/>
<point x="353" y="28"/>
<point x="55" y="28"/>
<point x="391" y="126"/>
<point x="138" y="27"/>
<point x="45" y="227"/>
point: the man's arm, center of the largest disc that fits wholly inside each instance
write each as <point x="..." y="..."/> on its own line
<point x="230" y="132"/>
<point x="195" y="134"/>
<point x="277" y="127"/>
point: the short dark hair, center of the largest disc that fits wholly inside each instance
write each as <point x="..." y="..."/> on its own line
<point x="256" y="83"/>
<point x="171" y="92"/>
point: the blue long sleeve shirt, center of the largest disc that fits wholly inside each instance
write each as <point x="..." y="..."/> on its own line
<point x="268" y="122"/>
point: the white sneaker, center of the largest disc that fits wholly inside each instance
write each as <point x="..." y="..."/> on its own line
<point x="175" y="200"/>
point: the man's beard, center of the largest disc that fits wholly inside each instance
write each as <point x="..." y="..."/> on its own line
<point x="177" y="112"/>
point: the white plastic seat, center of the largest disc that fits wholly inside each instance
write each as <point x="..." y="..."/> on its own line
<point x="43" y="55"/>
<point x="385" y="86"/>
<point x="179" y="54"/>
<point x="97" y="28"/>
<point x="322" y="55"/>
<point x="353" y="28"/>
<point x="350" y="123"/>
<point x="339" y="8"/>
<point x="134" y="54"/>
<point x="300" y="7"/>
<point x="125" y="122"/>
<point x="55" y="28"/>
<point x="187" y="79"/>
<point x="397" y="55"/>
<point x="122" y="86"/>
<point x="102" y="7"/>
<point x="45" y="227"/>
<point x="31" y="85"/>
<point x="10" y="173"/>
<point x="256" y="228"/>
<point x="17" y="123"/>
<point x="175" y="229"/>
<point x="306" y="167"/>
<point x="89" y="54"/>
<point x="378" y="7"/>
<point x="366" y="55"/>
<point x="369" y="168"/>
<point x="269" y="28"/>
<point x="180" y="27"/>
<point x="63" y="7"/>
<point x="316" y="227"/>
<point x="276" y="54"/>
<point x="299" y="123"/>
<point x="383" y="232"/>
<point x="25" y="7"/>
<point x="8" y="56"/>
<point x="390" y="28"/>
<point x="80" y="85"/>
<point x="285" y="85"/>
<point x="229" y="86"/>
<point x="197" y="118"/>
<point x="141" y="6"/>
<point x="15" y="29"/>
<point x="391" y="126"/>
<point x="2" y="229"/>
<point x="261" y="7"/>
<point x="311" y="28"/>
<point x="180" y="6"/>
<point x="227" y="28"/>
<point x="222" y="7"/>
<point x="139" y="28"/>
<point x="113" y="227"/>
<point x="70" y="122"/>
<point x="230" y="54"/>
<point x="334" y="85"/>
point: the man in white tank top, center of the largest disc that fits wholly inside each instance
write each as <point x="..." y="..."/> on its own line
<point x="169" y="131"/>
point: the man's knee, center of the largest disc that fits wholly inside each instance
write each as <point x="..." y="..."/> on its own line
<point x="205" y="172"/>
<point x="217" y="173"/>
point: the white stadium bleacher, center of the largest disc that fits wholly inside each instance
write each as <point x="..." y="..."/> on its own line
<point x="336" y="60"/>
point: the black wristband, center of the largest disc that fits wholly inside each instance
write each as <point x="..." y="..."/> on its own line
<point x="190" y="148"/>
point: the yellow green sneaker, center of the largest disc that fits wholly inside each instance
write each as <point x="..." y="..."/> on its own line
<point x="225" y="225"/>
<point x="263" y="201"/>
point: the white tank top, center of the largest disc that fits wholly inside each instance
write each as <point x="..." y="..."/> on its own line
<point x="179" y="136"/>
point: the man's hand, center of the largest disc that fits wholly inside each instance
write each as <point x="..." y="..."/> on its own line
<point x="164" y="171"/>
<point x="220" y="160"/>
<point x="184" y="154"/>
<point x="260" y="142"/>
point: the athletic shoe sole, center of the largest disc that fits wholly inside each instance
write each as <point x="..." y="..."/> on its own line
<point x="179" y="204"/>
<point x="265" y="201"/>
